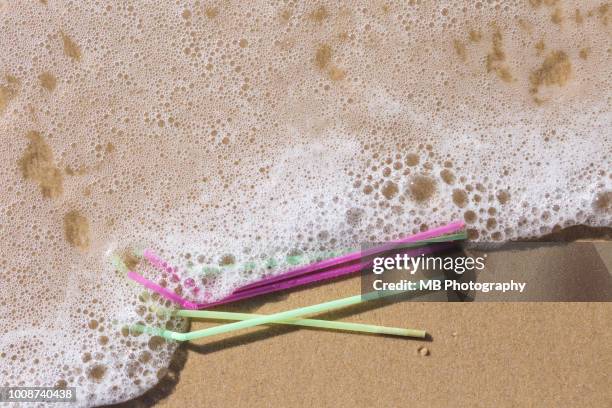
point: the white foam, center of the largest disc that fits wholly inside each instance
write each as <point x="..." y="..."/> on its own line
<point x="226" y="149"/>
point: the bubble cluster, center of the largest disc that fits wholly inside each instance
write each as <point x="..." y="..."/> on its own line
<point x="252" y="136"/>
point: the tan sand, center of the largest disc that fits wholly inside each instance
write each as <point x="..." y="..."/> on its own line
<point x="480" y="354"/>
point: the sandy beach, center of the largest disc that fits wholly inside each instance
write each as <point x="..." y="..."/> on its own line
<point x="479" y="354"/>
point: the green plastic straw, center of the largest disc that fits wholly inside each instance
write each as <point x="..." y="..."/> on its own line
<point x="323" y="324"/>
<point x="118" y="264"/>
<point x="276" y="317"/>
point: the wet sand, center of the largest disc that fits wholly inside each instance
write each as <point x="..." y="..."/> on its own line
<point x="480" y="354"/>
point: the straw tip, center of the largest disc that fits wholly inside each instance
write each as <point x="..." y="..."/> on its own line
<point x="190" y="306"/>
<point x="139" y="328"/>
<point x="156" y="331"/>
<point x="162" y="311"/>
<point x="421" y="334"/>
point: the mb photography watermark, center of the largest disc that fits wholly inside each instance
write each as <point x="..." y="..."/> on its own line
<point x="409" y="265"/>
<point x="491" y="272"/>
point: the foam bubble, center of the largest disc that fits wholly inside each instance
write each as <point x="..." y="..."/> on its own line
<point x="223" y="136"/>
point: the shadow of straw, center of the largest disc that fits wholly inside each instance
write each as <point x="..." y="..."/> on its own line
<point x="167" y="385"/>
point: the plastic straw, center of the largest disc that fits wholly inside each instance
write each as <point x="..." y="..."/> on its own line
<point x="276" y="317"/>
<point x="322" y="324"/>
<point x="422" y="237"/>
<point x="119" y="264"/>
<point x="165" y="292"/>
<point x="333" y="273"/>
<point x="242" y="294"/>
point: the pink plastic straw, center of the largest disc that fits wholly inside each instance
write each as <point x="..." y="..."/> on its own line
<point x="302" y="275"/>
<point x="434" y="232"/>
<point x="273" y="287"/>
<point x="310" y="278"/>
<point x="165" y="292"/>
